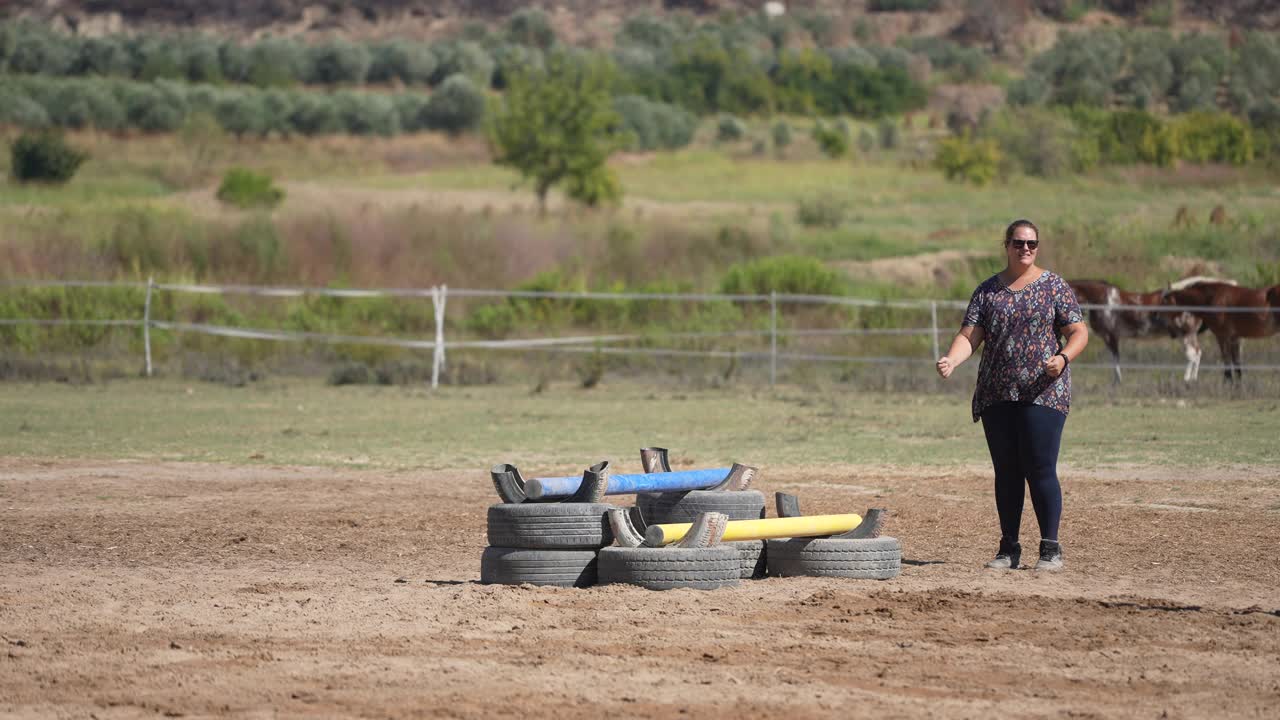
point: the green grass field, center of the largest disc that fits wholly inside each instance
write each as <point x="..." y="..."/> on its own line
<point x="565" y="428"/>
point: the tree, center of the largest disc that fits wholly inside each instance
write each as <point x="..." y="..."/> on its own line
<point x="557" y="124"/>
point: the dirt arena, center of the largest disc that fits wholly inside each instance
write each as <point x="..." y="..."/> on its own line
<point x="133" y="589"/>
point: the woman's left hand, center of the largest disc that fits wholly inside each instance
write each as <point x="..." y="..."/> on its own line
<point x="1054" y="366"/>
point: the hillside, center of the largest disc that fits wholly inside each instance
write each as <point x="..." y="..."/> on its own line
<point x="577" y="20"/>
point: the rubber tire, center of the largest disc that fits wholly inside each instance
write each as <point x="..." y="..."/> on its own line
<point x="870" y="559"/>
<point x="670" y="568"/>
<point x="550" y="526"/>
<point x="751" y="558"/>
<point x="517" y="566"/>
<point x="683" y="507"/>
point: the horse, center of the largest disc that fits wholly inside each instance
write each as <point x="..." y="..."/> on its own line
<point x="1113" y="324"/>
<point x="1229" y="328"/>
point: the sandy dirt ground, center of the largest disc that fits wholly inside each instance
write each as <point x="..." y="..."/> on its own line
<point x="133" y="589"/>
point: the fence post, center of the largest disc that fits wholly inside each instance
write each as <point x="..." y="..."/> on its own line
<point x="773" y="337"/>
<point x="933" y="309"/>
<point x="439" y="297"/>
<point x="146" y="322"/>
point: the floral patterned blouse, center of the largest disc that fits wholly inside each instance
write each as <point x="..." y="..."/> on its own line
<point x="1021" y="333"/>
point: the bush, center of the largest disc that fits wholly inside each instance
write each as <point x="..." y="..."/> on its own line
<point x="367" y="113"/>
<point x="456" y="106"/>
<point x="275" y="62"/>
<point x="826" y="210"/>
<point x="966" y="160"/>
<point x="730" y="129"/>
<point x="410" y="63"/>
<point x="154" y="107"/>
<point x="531" y="27"/>
<point x="781" y="133"/>
<point x="833" y="143"/>
<point x="788" y="274"/>
<point x="241" y="112"/>
<point x="1213" y="137"/>
<point x="315" y="114"/>
<point x="890" y="135"/>
<point x="44" y="157"/>
<point x="247" y="189"/>
<point x="655" y="125"/>
<point x="1040" y="142"/>
<point x="903" y="5"/>
<point x="16" y="109"/>
<point x="339" y="62"/>
<point x="463" y="58"/>
<point x="866" y="141"/>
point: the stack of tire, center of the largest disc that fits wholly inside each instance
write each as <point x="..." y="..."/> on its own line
<point x="685" y="507"/>
<point x="545" y="543"/>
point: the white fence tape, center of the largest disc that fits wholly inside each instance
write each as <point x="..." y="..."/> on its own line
<point x="570" y="344"/>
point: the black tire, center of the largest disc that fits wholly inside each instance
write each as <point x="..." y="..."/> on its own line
<point x="516" y="566"/>
<point x="870" y="559"/>
<point x="550" y="526"/>
<point x="669" y="568"/>
<point x="751" y="558"/>
<point x="683" y="507"/>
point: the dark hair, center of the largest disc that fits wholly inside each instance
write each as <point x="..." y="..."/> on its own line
<point x="1008" y="232"/>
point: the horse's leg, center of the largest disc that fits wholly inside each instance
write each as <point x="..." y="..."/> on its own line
<point x="1237" y="357"/>
<point x="1191" y="344"/>
<point x="1224" y="347"/>
<point x="1112" y="341"/>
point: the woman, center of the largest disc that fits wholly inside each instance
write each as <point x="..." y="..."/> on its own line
<point x="1024" y="386"/>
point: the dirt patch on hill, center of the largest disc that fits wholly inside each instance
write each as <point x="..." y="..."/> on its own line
<point x="133" y="588"/>
<point x="936" y="268"/>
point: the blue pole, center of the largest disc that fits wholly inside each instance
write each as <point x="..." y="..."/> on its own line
<point x="678" y="481"/>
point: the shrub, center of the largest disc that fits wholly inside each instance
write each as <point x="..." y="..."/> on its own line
<point x="463" y="58"/>
<point x="43" y="157"/>
<point x="247" y="189"/>
<point x="203" y="62"/>
<point x="18" y="110"/>
<point x="655" y="125"/>
<point x="315" y="114"/>
<point x="866" y="140"/>
<point x="410" y="63"/>
<point x="1040" y="142"/>
<point x="106" y="56"/>
<point x="826" y="210"/>
<point x="903" y="5"/>
<point x="411" y="110"/>
<point x="781" y="133"/>
<point x="967" y="160"/>
<point x="339" y="62"/>
<point x="154" y="107"/>
<point x="833" y="143"/>
<point x="367" y="113"/>
<point x="730" y="129"/>
<point x="1213" y="137"/>
<point x="789" y="274"/>
<point x="890" y="135"/>
<point x="275" y="62"/>
<point x="241" y="112"/>
<point x="456" y="106"/>
<point x="531" y="27"/>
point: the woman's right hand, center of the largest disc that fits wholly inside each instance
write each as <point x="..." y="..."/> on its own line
<point x="945" y="366"/>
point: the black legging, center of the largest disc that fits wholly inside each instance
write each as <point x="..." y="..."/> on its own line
<point x="1024" y="439"/>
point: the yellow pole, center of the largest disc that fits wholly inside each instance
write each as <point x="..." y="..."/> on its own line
<point x="806" y="526"/>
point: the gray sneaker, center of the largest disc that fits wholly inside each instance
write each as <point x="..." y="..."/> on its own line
<point x="1050" y="555"/>
<point x="1007" y="556"/>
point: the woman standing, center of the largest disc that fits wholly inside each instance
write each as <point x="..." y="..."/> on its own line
<point x="1024" y="386"/>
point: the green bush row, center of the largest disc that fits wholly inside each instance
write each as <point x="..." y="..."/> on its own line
<point x="164" y="106"/>
<point x="1049" y="142"/>
<point x="1154" y="70"/>
<point x="744" y="65"/>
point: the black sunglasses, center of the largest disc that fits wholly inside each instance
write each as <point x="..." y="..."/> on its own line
<point x="1028" y="244"/>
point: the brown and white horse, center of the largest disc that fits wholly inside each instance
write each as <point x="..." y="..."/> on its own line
<point x="1113" y="324"/>
<point x="1230" y="327"/>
